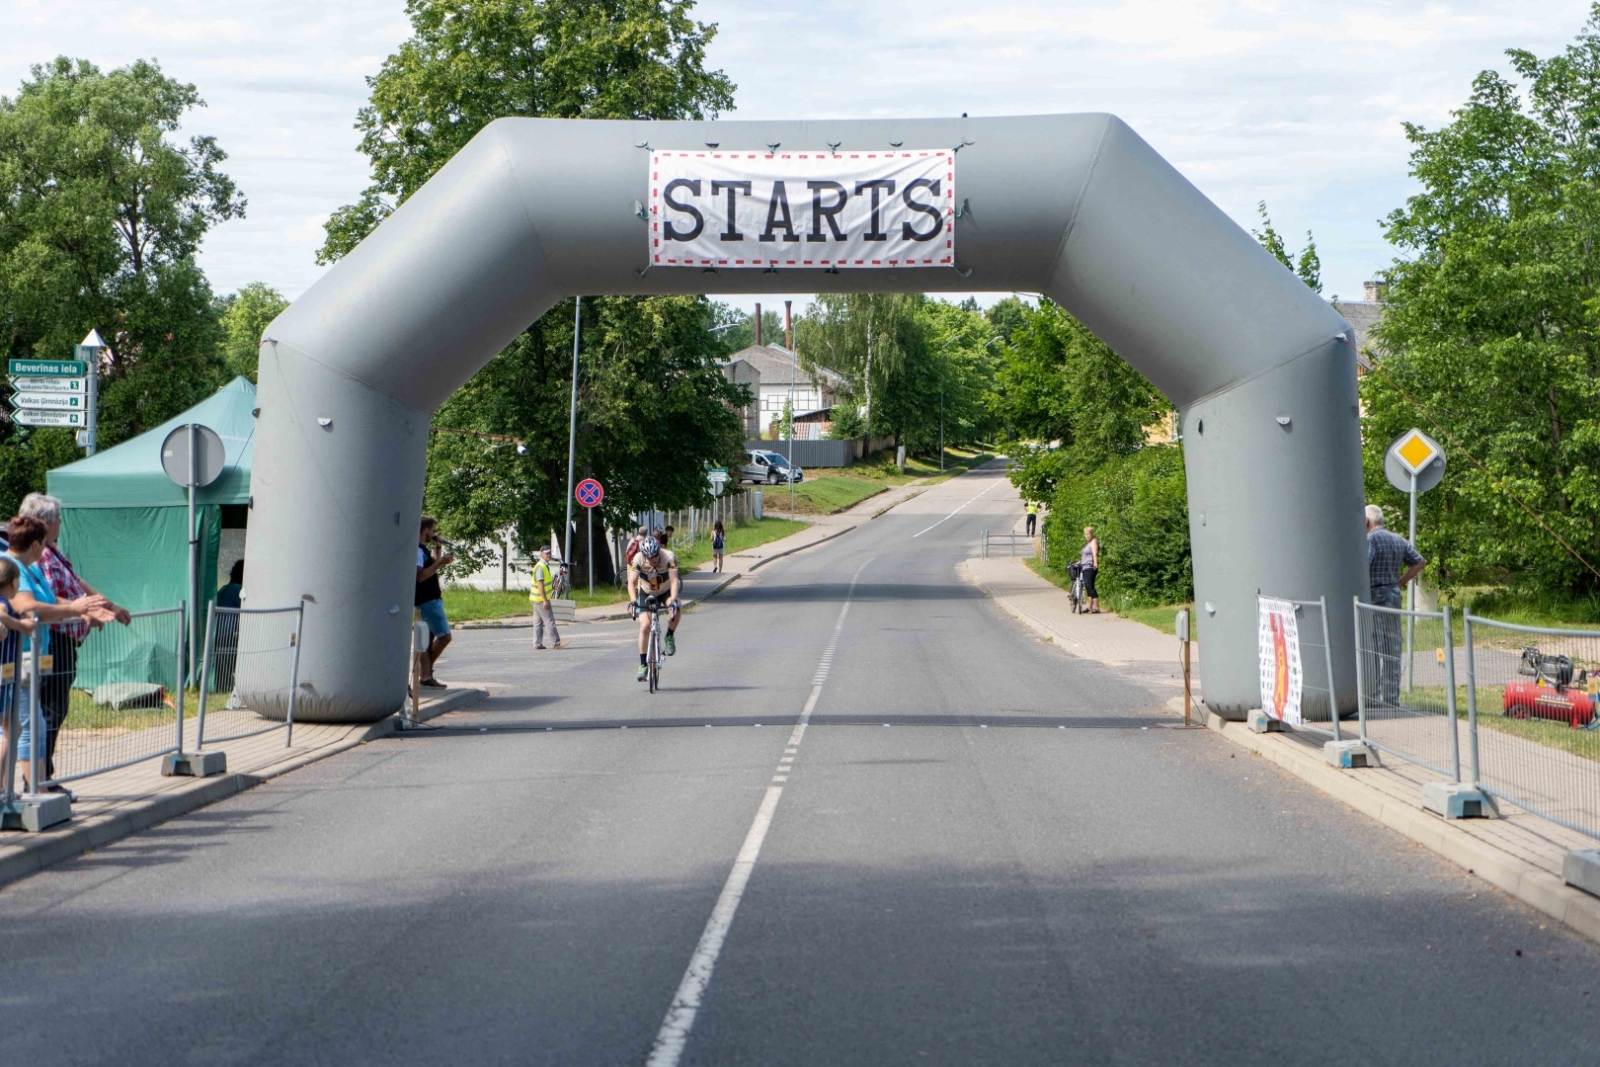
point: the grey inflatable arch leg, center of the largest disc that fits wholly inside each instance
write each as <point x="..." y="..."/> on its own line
<point x="531" y="211"/>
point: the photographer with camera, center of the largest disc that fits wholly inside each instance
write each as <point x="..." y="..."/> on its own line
<point x="430" y="598"/>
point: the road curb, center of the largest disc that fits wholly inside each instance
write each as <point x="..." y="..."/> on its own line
<point x="78" y="836"/>
<point x="1533" y="885"/>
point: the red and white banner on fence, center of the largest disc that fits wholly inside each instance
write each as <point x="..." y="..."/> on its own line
<point x="1281" y="675"/>
<point x="856" y="210"/>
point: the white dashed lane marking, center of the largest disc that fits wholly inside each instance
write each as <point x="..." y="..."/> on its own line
<point x="675" y="1028"/>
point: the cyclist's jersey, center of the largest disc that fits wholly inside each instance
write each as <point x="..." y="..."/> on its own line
<point x="655" y="578"/>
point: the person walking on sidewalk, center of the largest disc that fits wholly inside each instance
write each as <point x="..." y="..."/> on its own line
<point x="1033" y="518"/>
<point x="1089" y="562"/>
<point x="1391" y="563"/>
<point x="543" y="591"/>
<point x="719" y="541"/>
<point x="430" y="598"/>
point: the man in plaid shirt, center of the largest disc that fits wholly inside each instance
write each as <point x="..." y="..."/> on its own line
<point x="55" y="693"/>
<point x="1391" y="563"/>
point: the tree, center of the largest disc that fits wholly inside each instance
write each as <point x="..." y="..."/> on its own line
<point x="469" y="62"/>
<point x="864" y="336"/>
<point x="1492" y="326"/>
<point x="244" y="316"/>
<point x="654" y="407"/>
<point x="654" y="410"/>
<point x="1307" y="266"/>
<point x="1057" y="381"/>
<point x="100" y="216"/>
<point x="741" y="328"/>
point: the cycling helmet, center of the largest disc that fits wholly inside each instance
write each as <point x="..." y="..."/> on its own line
<point x="649" y="548"/>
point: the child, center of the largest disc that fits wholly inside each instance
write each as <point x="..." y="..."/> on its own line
<point x="10" y="626"/>
<point x="718" y="541"/>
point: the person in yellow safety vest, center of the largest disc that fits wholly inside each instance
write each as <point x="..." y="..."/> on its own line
<point x="1033" y="518"/>
<point x="543" y="591"/>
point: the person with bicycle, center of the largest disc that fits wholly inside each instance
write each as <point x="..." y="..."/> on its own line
<point x="1089" y="567"/>
<point x="652" y="575"/>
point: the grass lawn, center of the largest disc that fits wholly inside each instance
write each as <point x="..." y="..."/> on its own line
<point x="1507" y="605"/>
<point x="463" y="603"/>
<point x="827" y="490"/>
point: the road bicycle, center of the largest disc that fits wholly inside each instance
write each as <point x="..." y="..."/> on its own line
<point x="1076" y="571"/>
<point x="652" y="657"/>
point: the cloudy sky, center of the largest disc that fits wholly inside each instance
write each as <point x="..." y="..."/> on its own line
<point x="1295" y="102"/>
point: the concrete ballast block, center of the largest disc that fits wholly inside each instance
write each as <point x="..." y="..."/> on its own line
<point x="1350" y="755"/>
<point x="1581" y="869"/>
<point x="1262" y="723"/>
<point x="1456" y="800"/>
<point x="35" y="812"/>
<point x="194" y="764"/>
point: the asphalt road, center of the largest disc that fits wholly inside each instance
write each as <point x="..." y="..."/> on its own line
<point x="978" y="851"/>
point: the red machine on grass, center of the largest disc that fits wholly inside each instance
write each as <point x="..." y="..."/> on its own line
<point x="1554" y="694"/>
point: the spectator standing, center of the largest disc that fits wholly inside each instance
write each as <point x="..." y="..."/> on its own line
<point x="225" y="630"/>
<point x="26" y="537"/>
<point x="66" y="638"/>
<point x="633" y="545"/>
<point x="719" y="541"/>
<point x="10" y="626"/>
<point x="1089" y="561"/>
<point x="1391" y="563"/>
<point x="543" y="591"/>
<point x="1033" y="517"/>
<point x="430" y="597"/>
<point x="228" y="595"/>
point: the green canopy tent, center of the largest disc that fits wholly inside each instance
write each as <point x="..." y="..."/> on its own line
<point x="122" y="520"/>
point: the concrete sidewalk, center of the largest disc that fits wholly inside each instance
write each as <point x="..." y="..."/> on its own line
<point x="118" y="803"/>
<point x="1519" y="853"/>
<point x="1135" y="649"/>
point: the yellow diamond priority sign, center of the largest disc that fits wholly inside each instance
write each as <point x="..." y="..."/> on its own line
<point x="1414" y="462"/>
<point x="1416" y="451"/>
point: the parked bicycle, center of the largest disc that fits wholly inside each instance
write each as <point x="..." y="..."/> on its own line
<point x="1075" y="572"/>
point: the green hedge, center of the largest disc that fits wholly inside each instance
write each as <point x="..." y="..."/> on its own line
<point x="1138" y="505"/>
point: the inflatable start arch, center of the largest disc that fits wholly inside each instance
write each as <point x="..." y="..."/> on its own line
<point x="532" y="211"/>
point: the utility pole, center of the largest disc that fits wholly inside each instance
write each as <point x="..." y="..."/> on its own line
<point x="572" y="430"/>
<point x="794" y="374"/>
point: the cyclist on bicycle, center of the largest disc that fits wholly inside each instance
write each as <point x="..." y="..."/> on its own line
<point x="654" y="572"/>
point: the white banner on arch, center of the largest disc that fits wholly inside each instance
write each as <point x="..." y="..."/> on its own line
<point x="822" y="210"/>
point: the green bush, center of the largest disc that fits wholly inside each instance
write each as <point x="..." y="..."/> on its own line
<point x="1138" y="505"/>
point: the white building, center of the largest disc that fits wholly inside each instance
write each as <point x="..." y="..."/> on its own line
<point x="774" y="375"/>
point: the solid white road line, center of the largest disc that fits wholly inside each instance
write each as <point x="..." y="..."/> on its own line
<point x="958" y="511"/>
<point x="675" y="1028"/>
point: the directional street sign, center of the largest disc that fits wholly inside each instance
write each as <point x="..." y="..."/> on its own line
<point x="589" y="493"/>
<point x="49" y="401"/>
<point x="50" y="368"/>
<point x="26" y="417"/>
<point x="33" y="384"/>
<point x="718" y="477"/>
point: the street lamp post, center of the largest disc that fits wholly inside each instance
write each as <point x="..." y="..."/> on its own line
<point x="572" y="432"/>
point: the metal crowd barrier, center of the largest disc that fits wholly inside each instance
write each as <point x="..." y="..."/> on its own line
<point x="114" y="700"/>
<point x="1407" y="701"/>
<point x="1011" y="540"/>
<point x="259" y="647"/>
<point x="1317" y="702"/>
<point x="1533" y="718"/>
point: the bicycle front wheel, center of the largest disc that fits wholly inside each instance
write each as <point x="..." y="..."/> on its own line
<point x="654" y="659"/>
